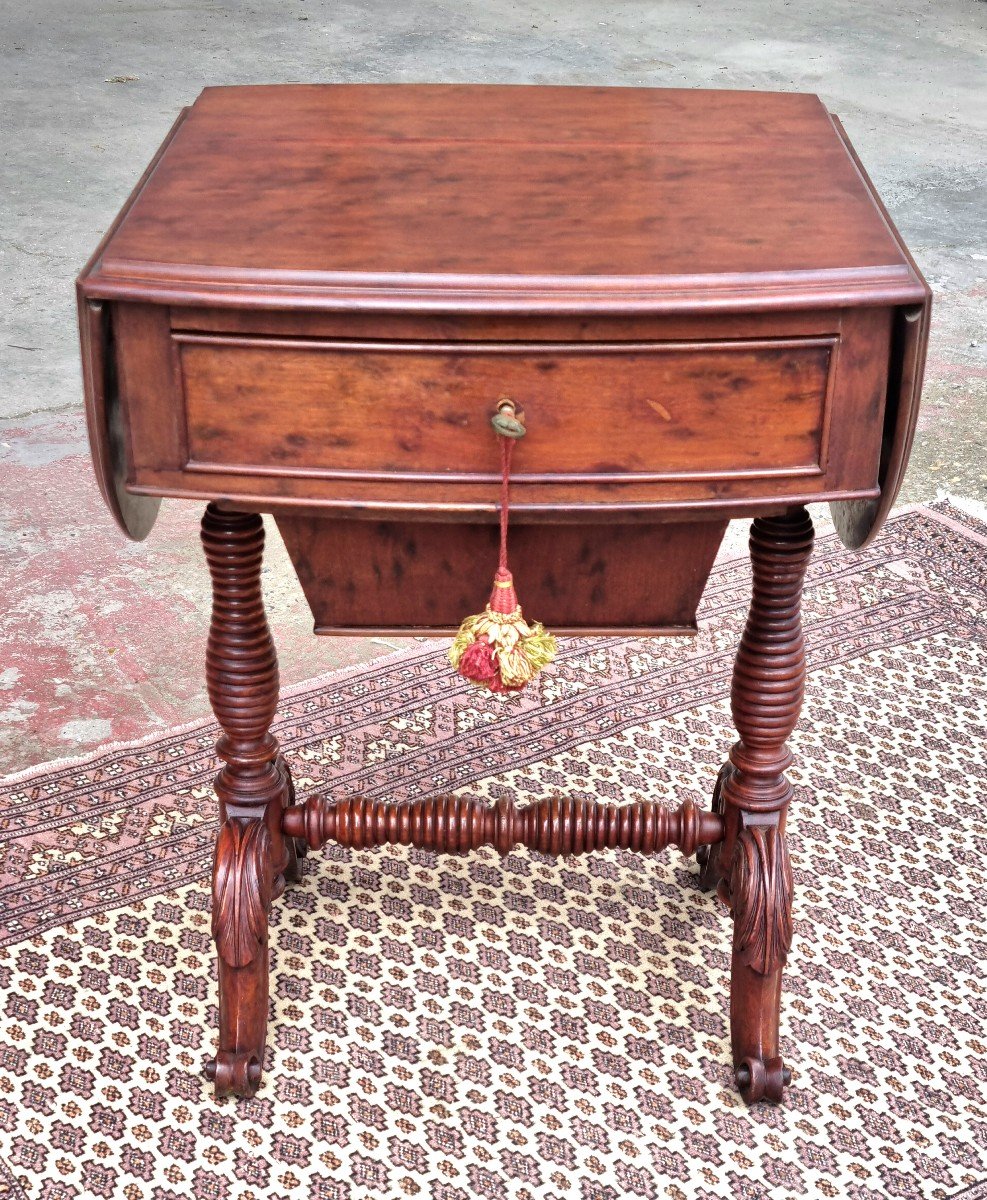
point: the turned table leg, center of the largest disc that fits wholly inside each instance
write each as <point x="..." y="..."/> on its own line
<point x="252" y="855"/>
<point x="751" y="865"/>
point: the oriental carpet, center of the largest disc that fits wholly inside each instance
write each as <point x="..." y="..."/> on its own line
<point x="526" y="1029"/>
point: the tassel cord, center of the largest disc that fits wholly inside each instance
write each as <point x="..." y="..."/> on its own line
<point x="506" y="449"/>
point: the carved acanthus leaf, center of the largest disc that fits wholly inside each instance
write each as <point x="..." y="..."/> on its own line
<point x="242" y="883"/>
<point x="761" y="897"/>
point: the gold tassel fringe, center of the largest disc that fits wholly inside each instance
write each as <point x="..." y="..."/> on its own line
<point x="521" y="650"/>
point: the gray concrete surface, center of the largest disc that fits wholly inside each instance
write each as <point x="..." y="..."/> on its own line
<point x="89" y="87"/>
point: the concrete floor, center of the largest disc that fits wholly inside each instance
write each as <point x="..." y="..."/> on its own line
<point x="102" y="639"/>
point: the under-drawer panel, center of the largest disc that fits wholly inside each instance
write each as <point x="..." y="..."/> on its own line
<point x="421" y="410"/>
<point x="423" y="577"/>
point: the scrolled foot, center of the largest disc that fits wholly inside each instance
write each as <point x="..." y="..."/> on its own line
<point x="759" y="1079"/>
<point x="708" y="856"/>
<point x="234" y="1074"/>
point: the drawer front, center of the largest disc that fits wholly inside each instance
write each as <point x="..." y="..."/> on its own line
<point x="607" y="412"/>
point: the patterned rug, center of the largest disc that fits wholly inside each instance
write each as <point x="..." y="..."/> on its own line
<point x="452" y="1028"/>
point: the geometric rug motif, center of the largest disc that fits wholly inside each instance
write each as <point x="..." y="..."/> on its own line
<point x="458" y="1027"/>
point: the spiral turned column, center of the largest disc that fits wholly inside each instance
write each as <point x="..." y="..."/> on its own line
<point x="241" y="663"/>
<point x="752" y="864"/>
<point x="769" y="672"/>
<point x="252" y="787"/>
<point x="458" y="824"/>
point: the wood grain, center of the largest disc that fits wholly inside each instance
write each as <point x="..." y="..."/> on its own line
<point x="411" y="435"/>
<point x="761" y="894"/>
<point x="107" y="427"/>
<point x="252" y="788"/>
<point x="369" y="576"/>
<point x="468" y="196"/>
<point x="520" y="207"/>
<point x="560" y="826"/>
<point x="752" y="860"/>
<point x="422" y="411"/>
<point x="309" y="305"/>
<point x="242" y="888"/>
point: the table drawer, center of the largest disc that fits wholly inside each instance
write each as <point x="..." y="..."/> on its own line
<point x="618" y="411"/>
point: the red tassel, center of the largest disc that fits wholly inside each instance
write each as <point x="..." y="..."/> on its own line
<point x="503" y="597"/>
<point x="479" y="665"/>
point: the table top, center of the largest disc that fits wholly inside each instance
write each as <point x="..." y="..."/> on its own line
<point x="706" y="276"/>
<point x="466" y="197"/>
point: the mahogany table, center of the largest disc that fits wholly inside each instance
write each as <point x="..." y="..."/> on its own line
<point x="310" y="306"/>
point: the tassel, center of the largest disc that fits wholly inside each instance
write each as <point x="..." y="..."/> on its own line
<point x="498" y="649"/>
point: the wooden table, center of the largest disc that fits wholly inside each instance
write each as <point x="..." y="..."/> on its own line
<point x="309" y="307"/>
